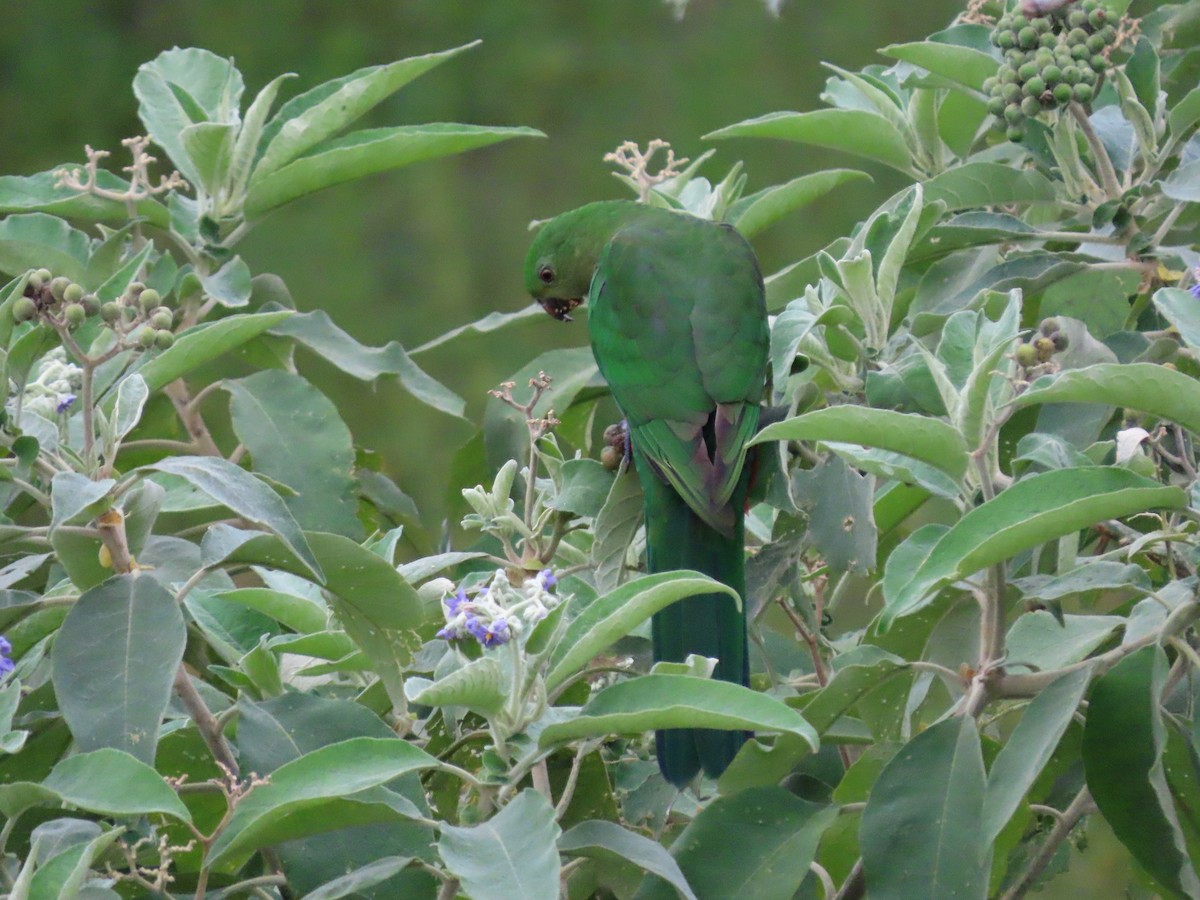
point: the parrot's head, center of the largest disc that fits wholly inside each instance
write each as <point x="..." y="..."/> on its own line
<point x="565" y="250"/>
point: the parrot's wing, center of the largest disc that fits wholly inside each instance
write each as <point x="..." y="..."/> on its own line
<point x="678" y="326"/>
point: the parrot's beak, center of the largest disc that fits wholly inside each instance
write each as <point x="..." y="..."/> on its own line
<point x="560" y="308"/>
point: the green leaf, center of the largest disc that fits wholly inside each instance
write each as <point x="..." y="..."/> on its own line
<point x="352" y="883"/>
<point x="852" y="681"/>
<point x="511" y="855"/>
<point x="1044" y="641"/>
<point x="247" y="496"/>
<point x="132" y="394"/>
<point x="113" y="783"/>
<point x="115" y="660"/>
<point x="1183" y="184"/>
<point x="1157" y="390"/>
<point x="316" y="331"/>
<point x="204" y="343"/>
<point x="921" y="437"/>
<point x="41" y="193"/>
<point x="492" y="322"/>
<point x="209" y="147"/>
<point x="365" y="153"/>
<point x="72" y="494"/>
<point x="1182" y="310"/>
<point x="481" y="686"/>
<point x="318" y="792"/>
<point x="1029" y="749"/>
<point x="614" y="530"/>
<point x="250" y="133"/>
<point x="181" y="87"/>
<point x="1184" y="114"/>
<point x="598" y="839"/>
<point x="230" y="285"/>
<point x="300" y="614"/>
<point x="757" y="843"/>
<point x="964" y="65"/>
<point x="853" y="131"/>
<point x="978" y="184"/>
<point x="585" y="486"/>
<point x="677" y="701"/>
<point x="1123" y="742"/>
<point x="612" y="616"/>
<point x="752" y="214"/>
<point x="837" y="502"/>
<point x="306" y="120"/>
<point x="36" y="240"/>
<point x="920" y="834"/>
<point x="1034" y="510"/>
<point x="295" y="436"/>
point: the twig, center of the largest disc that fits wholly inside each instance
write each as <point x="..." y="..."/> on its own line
<point x="564" y="801"/>
<point x="192" y="420"/>
<point x="1068" y="819"/>
<point x="1104" y="166"/>
<point x="828" y="888"/>
<point x="206" y="723"/>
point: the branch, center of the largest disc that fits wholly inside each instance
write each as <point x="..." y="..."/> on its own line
<point x="1081" y="806"/>
<point x="206" y="723"/>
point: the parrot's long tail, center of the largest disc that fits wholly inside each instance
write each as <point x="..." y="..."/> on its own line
<point x="708" y="624"/>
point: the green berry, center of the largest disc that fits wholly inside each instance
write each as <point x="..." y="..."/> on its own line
<point x="135" y="288"/>
<point x="1070" y="74"/>
<point x="1014" y="133"/>
<point x="1044" y="57"/>
<point x="1028" y="70"/>
<point x="1013" y="114"/>
<point x="1011" y="93"/>
<point x="35" y="281"/>
<point x="1097" y="18"/>
<point x="996" y="106"/>
<point x="1079" y="52"/>
<point x="1077" y="18"/>
<point x="1077" y="36"/>
<point x="149" y="299"/>
<point x="74" y="315"/>
<point x="1044" y="347"/>
<point x="24" y="309"/>
<point x="1062" y="94"/>
<point x="1007" y="75"/>
<point x="44" y="274"/>
<point x="1083" y="92"/>
<point x="73" y="293"/>
<point x="1061" y="341"/>
<point x="1031" y="106"/>
<point x="1109" y="32"/>
<point x="1006" y="39"/>
<point x="58" y="286"/>
<point x="1015" y="58"/>
<point x="990" y="84"/>
<point x="110" y="312"/>
<point x="1048" y="326"/>
<point x="1052" y="74"/>
<point x="1041" y="23"/>
<point x="1099" y="63"/>
<point x="1087" y="75"/>
<point x="1026" y="355"/>
<point x="1027" y="37"/>
<point x="145" y="336"/>
<point x="1096" y="43"/>
<point x="1034" y="87"/>
<point x="162" y="318"/>
<point x="91" y="304"/>
<point x="163" y="339"/>
<point x="1047" y="41"/>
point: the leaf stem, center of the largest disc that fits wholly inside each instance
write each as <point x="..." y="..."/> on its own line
<point x="1081" y="806"/>
<point x="1100" y="158"/>
<point x="206" y="722"/>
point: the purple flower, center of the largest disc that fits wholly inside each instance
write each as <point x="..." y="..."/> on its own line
<point x="496" y="634"/>
<point x="449" y="633"/>
<point x="476" y="629"/>
<point x="546" y="579"/>
<point x="1195" y="289"/>
<point x="454" y="603"/>
<point x="64" y="403"/>
<point x="6" y="664"/>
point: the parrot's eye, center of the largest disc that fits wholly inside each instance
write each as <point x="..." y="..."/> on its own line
<point x="546" y="274"/>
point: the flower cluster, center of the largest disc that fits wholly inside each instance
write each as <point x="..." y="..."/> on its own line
<point x="53" y="391"/>
<point x="6" y="664"/>
<point x="499" y="610"/>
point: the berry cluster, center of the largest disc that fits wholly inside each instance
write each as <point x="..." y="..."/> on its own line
<point x="138" y="316"/>
<point x="1049" y="60"/>
<point x="1048" y="341"/>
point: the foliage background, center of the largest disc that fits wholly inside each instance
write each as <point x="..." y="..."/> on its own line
<point x="408" y="255"/>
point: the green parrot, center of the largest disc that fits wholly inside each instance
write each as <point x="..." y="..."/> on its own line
<point x="678" y="325"/>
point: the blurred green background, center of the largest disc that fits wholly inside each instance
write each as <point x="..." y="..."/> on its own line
<point x="411" y="254"/>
